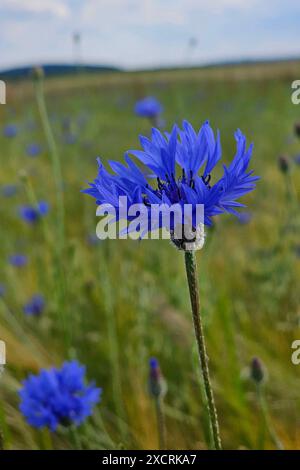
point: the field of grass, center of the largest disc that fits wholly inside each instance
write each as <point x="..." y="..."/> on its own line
<point x="114" y="304"/>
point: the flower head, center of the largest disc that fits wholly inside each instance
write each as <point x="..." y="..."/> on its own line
<point x="148" y="107"/>
<point x="10" y="130"/>
<point x="297" y="159"/>
<point x="33" y="150"/>
<point x="284" y="163"/>
<point x="31" y="214"/>
<point x="297" y="128"/>
<point x="157" y="384"/>
<point x="245" y="217"/>
<point x="9" y="190"/>
<point x="181" y="165"/>
<point x="257" y="370"/>
<point x="37" y="73"/>
<point x="18" y="260"/>
<point x="35" y="305"/>
<point x="58" y="396"/>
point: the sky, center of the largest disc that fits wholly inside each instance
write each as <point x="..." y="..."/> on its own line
<point x="146" y="33"/>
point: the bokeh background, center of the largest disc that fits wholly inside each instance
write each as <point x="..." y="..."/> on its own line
<point x="114" y="304"/>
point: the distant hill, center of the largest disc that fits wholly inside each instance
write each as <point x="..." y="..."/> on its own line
<point x="228" y="64"/>
<point x="52" y="70"/>
<point x="56" y="70"/>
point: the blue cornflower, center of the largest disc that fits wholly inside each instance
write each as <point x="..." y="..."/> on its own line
<point x="9" y="190"/>
<point x="148" y="107"/>
<point x="2" y="290"/>
<point x="33" y="150"/>
<point x="35" y="306"/>
<point x="31" y="214"/>
<point x="182" y="164"/>
<point x="43" y="207"/>
<point x="18" y="260"/>
<point x="58" y="396"/>
<point x="10" y="130"/>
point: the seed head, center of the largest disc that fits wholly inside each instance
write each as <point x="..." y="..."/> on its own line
<point x="257" y="370"/>
<point x="194" y="241"/>
<point x="297" y="128"/>
<point x="284" y="163"/>
<point x="157" y="384"/>
<point x="37" y="73"/>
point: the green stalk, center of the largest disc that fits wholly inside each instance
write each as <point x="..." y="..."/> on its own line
<point x="1" y="440"/>
<point x="56" y="167"/>
<point x="59" y="275"/>
<point x="46" y="442"/>
<point x="191" y="272"/>
<point x="113" y="345"/>
<point x="109" y="441"/>
<point x="265" y="416"/>
<point x="161" y="427"/>
<point x="1" y="432"/>
<point x="74" y="438"/>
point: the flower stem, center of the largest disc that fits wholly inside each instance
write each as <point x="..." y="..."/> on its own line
<point x="56" y="166"/>
<point x="74" y="438"/>
<point x="60" y="279"/>
<point x="266" y="421"/>
<point x="161" y="427"/>
<point x="191" y="272"/>
<point x="1" y="440"/>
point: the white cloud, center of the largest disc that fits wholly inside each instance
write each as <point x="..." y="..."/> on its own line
<point x="153" y="12"/>
<point x="137" y="33"/>
<point x="54" y="7"/>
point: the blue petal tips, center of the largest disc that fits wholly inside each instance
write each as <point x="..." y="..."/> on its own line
<point x="180" y="170"/>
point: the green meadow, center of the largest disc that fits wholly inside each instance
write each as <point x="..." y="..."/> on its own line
<point x="114" y="304"/>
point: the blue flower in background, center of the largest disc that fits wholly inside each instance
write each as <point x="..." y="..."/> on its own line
<point x="148" y="107"/>
<point x="297" y="159"/>
<point x="245" y="217"/>
<point x="10" y="130"/>
<point x="32" y="214"/>
<point x="18" y="260"/>
<point x="157" y="384"/>
<point x="82" y="120"/>
<point x="66" y="123"/>
<point x="58" y="396"/>
<point x="35" y="306"/>
<point x="33" y="150"/>
<point x="9" y="190"/>
<point x="43" y="207"/>
<point x="2" y="290"/>
<point x="69" y="138"/>
<point x="181" y="165"/>
<point x="92" y="239"/>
